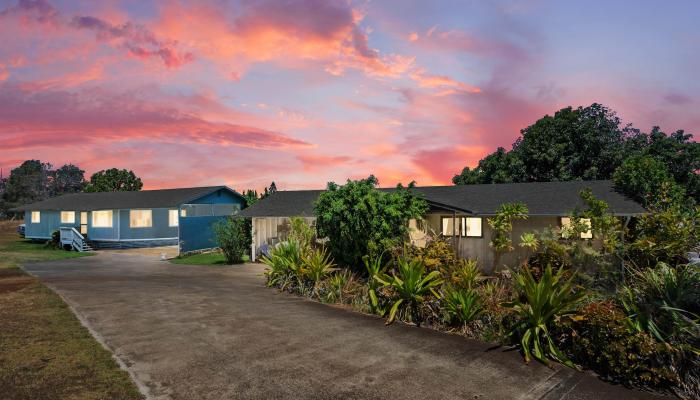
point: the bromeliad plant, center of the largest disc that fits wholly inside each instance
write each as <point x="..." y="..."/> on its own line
<point x="540" y="304"/>
<point x="462" y="305"/>
<point x="411" y="285"/>
<point x="316" y="266"/>
<point x="283" y="264"/>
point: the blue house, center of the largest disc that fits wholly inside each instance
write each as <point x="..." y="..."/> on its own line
<point x="147" y="218"/>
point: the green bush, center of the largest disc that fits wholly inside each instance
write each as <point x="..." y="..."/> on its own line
<point x="233" y="235"/>
<point x="360" y="220"/>
<point x="283" y="264"/>
<point x="438" y="254"/>
<point x="599" y="338"/>
<point x="461" y="305"/>
<point x="540" y="304"/>
<point x="315" y="267"/>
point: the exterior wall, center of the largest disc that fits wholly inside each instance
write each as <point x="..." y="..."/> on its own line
<point x="160" y="228"/>
<point x="196" y="232"/>
<point x="49" y="222"/>
<point x="270" y="231"/>
<point x="479" y="248"/>
<point x="104" y="233"/>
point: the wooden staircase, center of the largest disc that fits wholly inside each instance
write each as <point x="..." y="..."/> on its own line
<point x="71" y="237"/>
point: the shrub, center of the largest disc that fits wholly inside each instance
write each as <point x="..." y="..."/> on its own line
<point x="233" y="237"/>
<point x="301" y="232"/>
<point x="502" y="225"/>
<point x="466" y="274"/>
<point x="360" y="220"/>
<point x="438" y="253"/>
<point x="462" y="305"/>
<point x="599" y="338"/>
<point x="540" y="303"/>
<point x="55" y="241"/>
<point x="411" y="286"/>
<point x="375" y="270"/>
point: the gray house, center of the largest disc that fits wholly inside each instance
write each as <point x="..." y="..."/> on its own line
<point x="145" y="218"/>
<point x="457" y="212"/>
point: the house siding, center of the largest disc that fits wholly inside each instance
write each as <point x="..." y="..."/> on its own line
<point x="197" y="232"/>
<point x="49" y="222"/>
<point x="159" y="228"/>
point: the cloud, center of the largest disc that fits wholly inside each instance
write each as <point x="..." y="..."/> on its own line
<point x="677" y="99"/>
<point x="31" y="118"/>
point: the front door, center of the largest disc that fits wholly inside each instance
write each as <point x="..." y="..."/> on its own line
<point x="83" y="223"/>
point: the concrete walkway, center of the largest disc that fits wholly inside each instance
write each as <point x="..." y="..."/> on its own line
<point x="194" y="332"/>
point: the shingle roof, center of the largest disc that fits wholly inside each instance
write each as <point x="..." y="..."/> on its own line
<point x="122" y="200"/>
<point x="541" y="198"/>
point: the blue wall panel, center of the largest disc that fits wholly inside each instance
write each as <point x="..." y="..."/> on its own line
<point x="196" y="233"/>
<point x="158" y="230"/>
<point x="49" y="222"/>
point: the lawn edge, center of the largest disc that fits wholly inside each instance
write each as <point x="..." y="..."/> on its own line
<point x="142" y="387"/>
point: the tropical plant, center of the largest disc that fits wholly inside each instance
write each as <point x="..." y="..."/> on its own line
<point x="316" y="266"/>
<point x="462" y="305"/>
<point x="283" y="264"/>
<point x="466" y="274"/>
<point x="375" y="270"/>
<point x="233" y="237"/>
<point x="337" y="284"/>
<point x="437" y="254"/>
<point x="540" y="303"/>
<point x="502" y="225"/>
<point x="665" y="302"/>
<point x="411" y="286"/>
<point x="301" y="232"/>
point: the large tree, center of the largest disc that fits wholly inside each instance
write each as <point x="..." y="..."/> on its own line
<point x="114" y="180"/>
<point x="67" y="179"/>
<point x="27" y="183"/>
<point x="360" y="220"/>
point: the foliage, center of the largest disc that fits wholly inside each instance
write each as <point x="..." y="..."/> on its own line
<point x="283" y="264"/>
<point x="411" y="286"/>
<point x="233" y="237"/>
<point x="462" y="305"/>
<point x="604" y="225"/>
<point x="301" y="232"/>
<point x="67" y="179"/>
<point x="540" y="304"/>
<point x="599" y="338"/>
<point x="360" y="220"/>
<point x="665" y="302"/>
<point x="341" y="286"/>
<point x="437" y="254"/>
<point x="643" y="177"/>
<point x="55" y="241"/>
<point x="269" y="190"/>
<point x="375" y="268"/>
<point x="250" y="196"/>
<point x="502" y="225"/>
<point x="498" y="167"/>
<point x="26" y="184"/>
<point x="114" y="180"/>
<point x="315" y="266"/>
<point x="466" y="274"/>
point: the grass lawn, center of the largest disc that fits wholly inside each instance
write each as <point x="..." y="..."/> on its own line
<point x="214" y="258"/>
<point x="45" y="353"/>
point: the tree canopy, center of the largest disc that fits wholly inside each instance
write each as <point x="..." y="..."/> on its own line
<point x="360" y="220"/>
<point x="591" y="143"/>
<point x="114" y="180"/>
<point x="67" y="179"/>
<point x="27" y="183"/>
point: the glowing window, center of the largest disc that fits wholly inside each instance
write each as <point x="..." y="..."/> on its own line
<point x="471" y="227"/>
<point x="566" y="228"/>
<point x="102" y="219"/>
<point x="67" y="217"/>
<point x="447" y="227"/>
<point x="140" y="218"/>
<point x="172" y="218"/>
<point x="83" y="218"/>
<point x="183" y="213"/>
<point x="36" y="217"/>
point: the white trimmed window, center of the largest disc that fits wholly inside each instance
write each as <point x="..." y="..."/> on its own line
<point x="172" y="218"/>
<point x="447" y="226"/>
<point x="67" y="217"/>
<point x="102" y="219"/>
<point x="36" y="217"/>
<point x="140" y="218"/>
<point x="566" y="228"/>
<point x="471" y="227"/>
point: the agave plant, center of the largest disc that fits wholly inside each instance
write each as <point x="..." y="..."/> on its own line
<point x="462" y="305"/>
<point x="375" y="270"/>
<point x="540" y="304"/>
<point x="316" y="266"/>
<point x="411" y="286"/>
<point x="283" y="264"/>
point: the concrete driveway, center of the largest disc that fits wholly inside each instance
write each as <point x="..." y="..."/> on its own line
<point x="194" y="332"/>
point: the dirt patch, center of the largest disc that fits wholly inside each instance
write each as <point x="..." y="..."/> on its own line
<point x="14" y="283"/>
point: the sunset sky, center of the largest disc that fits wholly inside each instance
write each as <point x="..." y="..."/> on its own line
<point x="195" y="93"/>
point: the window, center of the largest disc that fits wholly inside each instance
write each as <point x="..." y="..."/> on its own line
<point x="566" y="228"/>
<point x="36" y="217"/>
<point x="471" y="227"/>
<point x="447" y="226"/>
<point x="183" y="213"/>
<point x="83" y="218"/>
<point x="102" y="219"/>
<point x="67" y="217"/>
<point x="172" y="218"/>
<point x="140" y="218"/>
